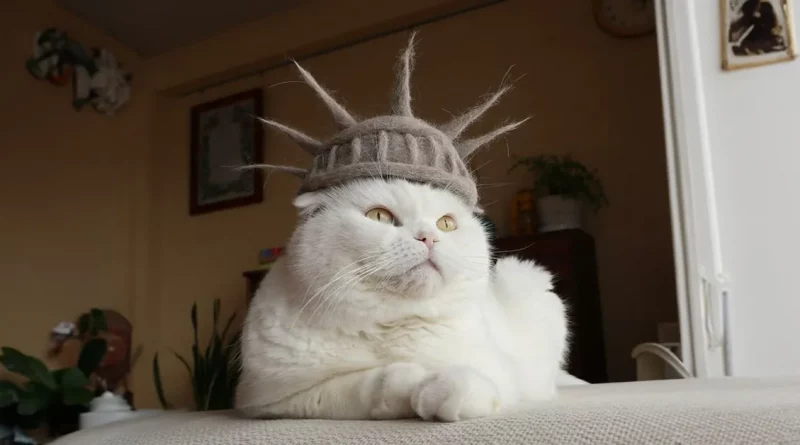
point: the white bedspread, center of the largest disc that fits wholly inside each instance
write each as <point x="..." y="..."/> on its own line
<point x="694" y="411"/>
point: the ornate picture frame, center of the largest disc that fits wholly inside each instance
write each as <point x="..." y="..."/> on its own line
<point x="756" y="33"/>
<point x="225" y="135"/>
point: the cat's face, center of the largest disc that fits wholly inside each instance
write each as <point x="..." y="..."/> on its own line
<point x="407" y="240"/>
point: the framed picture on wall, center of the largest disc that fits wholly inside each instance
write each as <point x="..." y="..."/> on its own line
<point x="224" y="136"/>
<point x="756" y="32"/>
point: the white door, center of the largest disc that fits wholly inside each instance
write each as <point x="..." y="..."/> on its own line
<point x="699" y="272"/>
<point x="733" y="143"/>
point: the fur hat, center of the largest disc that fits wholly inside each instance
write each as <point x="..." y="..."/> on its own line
<point x="399" y="145"/>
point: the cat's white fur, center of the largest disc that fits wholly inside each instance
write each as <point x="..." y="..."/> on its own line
<point x="355" y="322"/>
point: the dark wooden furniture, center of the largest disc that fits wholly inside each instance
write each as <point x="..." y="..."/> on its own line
<point x="253" y="278"/>
<point x="570" y="256"/>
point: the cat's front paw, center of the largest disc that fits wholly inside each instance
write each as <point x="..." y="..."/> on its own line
<point x="393" y="398"/>
<point x="455" y="394"/>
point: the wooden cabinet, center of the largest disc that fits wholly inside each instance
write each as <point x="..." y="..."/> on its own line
<point x="253" y="279"/>
<point x="570" y="256"/>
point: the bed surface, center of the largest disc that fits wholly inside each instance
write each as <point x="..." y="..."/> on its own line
<point x="693" y="411"/>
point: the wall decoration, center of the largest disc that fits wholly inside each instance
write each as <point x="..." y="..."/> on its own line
<point x="756" y="33"/>
<point x="625" y="18"/>
<point x="97" y="79"/>
<point x="225" y="136"/>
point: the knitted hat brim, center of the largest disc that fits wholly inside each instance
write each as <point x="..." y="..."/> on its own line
<point x="461" y="186"/>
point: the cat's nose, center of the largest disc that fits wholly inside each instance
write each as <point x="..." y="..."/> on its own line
<point x="427" y="238"/>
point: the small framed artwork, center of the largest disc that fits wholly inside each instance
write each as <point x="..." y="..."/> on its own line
<point x="756" y="32"/>
<point x="226" y="136"/>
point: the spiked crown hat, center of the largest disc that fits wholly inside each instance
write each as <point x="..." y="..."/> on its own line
<point x="399" y="145"/>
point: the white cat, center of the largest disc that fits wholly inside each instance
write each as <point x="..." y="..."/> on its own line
<point x="386" y="306"/>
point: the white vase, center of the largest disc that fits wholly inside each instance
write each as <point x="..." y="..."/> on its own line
<point x="559" y="213"/>
<point x="110" y="408"/>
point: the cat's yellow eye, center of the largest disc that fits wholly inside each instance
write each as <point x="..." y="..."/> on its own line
<point x="446" y="223"/>
<point x="381" y="215"/>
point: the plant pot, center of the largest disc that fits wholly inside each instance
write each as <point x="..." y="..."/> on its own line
<point x="93" y="419"/>
<point x="64" y="419"/>
<point x="559" y="213"/>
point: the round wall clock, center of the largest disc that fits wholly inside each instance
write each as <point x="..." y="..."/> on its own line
<point x="625" y="18"/>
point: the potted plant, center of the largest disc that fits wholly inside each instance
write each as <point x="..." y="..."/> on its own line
<point x="565" y="189"/>
<point x="56" y="397"/>
<point x="53" y="397"/>
<point x="214" y="372"/>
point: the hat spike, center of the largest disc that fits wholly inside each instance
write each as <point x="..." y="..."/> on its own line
<point x="461" y="123"/>
<point x="402" y="98"/>
<point x="309" y="144"/>
<point x="467" y="147"/>
<point x="340" y="115"/>
<point x="299" y="172"/>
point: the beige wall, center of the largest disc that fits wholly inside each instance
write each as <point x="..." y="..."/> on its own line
<point x="67" y="188"/>
<point x="589" y="94"/>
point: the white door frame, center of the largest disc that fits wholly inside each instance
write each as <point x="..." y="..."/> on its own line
<point x="699" y="275"/>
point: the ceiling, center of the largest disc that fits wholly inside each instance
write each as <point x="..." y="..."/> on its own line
<point x="152" y="27"/>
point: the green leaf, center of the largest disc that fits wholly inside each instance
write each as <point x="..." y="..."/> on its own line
<point x="199" y="374"/>
<point x="185" y="363"/>
<point x="210" y="392"/>
<point x="217" y="307"/>
<point x="228" y="326"/>
<point x="194" y="321"/>
<point x="157" y="381"/>
<point x="14" y="360"/>
<point x="9" y="393"/>
<point x="198" y="361"/>
<point x="99" y="320"/>
<point x="83" y="324"/>
<point x="28" y="366"/>
<point x="58" y="375"/>
<point x="215" y="319"/>
<point x="74" y="378"/>
<point x="562" y="175"/>
<point x="35" y="398"/>
<point x="77" y="396"/>
<point x="91" y="355"/>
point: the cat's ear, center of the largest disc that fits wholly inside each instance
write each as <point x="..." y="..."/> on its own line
<point x="308" y="202"/>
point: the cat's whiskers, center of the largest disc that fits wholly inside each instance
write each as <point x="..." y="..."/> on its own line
<point x="469" y="159"/>
<point x="345" y="277"/>
<point x="325" y="296"/>
<point x="488" y="185"/>
<point x="474" y="260"/>
<point x="343" y="274"/>
<point x="339" y="275"/>
<point x="344" y="286"/>
<point x="336" y="299"/>
<point x="335" y="296"/>
<point x="494" y="253"/>
<point x="322" y="269"/>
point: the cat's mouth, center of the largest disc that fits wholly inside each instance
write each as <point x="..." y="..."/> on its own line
<point x="427" y="264"/>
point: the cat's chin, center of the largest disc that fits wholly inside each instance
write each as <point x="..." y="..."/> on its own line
<point x="417" y="282"/>
<point x="420" y="282"/>
<point x="426" y="267"/>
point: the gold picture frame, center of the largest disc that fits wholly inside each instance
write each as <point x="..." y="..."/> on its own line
<point x="756" y="33"/>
